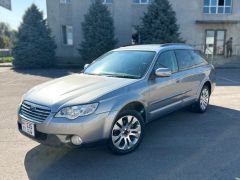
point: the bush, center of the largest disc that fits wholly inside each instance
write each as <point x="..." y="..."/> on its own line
<point x="35" y="48"/>
<point x="8" y="59"/>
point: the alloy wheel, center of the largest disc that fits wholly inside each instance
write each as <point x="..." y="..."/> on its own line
<point x="126" y="132"/>
<point x="204" y="98"/>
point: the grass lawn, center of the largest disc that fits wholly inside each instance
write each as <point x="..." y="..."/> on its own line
<point x="6" y="59"/>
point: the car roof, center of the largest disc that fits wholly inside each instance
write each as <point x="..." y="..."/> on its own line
<point x="155" y="47"/>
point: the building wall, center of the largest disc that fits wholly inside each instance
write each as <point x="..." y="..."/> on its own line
<point x="188" y="12"/>
<point x="126" y="15"/>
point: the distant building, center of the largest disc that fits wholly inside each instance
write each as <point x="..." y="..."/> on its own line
<point x="205" y="24"/>
<point x="6" y="4"/>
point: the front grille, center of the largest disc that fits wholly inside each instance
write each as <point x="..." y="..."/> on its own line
<point x="34" y="112"/>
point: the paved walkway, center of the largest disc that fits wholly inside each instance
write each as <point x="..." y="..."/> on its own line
<point x="229" y="63"/>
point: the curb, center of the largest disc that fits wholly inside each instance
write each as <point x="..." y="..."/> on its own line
<point x="5" y="65"/>
<point x="226" y="67"/>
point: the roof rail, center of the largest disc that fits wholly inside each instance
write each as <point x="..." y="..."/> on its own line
<point x="171" y="44"/>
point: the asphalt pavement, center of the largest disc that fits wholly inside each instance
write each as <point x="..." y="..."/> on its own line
<point x="182" y="145"/>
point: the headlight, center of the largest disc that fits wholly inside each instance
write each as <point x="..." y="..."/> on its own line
<point x="73" y="112"/>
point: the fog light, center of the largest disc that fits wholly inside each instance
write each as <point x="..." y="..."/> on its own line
<point x="76" y="140"/>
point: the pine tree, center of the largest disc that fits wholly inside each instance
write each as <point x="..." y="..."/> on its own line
<point x="98" y="32"/>
<point x="34" y="48"/>
<point x="159" y="24"/>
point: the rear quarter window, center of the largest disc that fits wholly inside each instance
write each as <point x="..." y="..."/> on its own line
<point x="188" y="59"/>
<point x="184" y="59"/>
<point x="199" y="58"/>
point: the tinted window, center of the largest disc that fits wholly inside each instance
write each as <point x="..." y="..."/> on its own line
<point x="203" y="56"/>
<point x="184" y="58"/>
<point x="197" y="58"/>
<point x="167" y="60"/>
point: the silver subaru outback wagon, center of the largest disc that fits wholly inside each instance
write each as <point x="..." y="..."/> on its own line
<point x="116" y="96"/>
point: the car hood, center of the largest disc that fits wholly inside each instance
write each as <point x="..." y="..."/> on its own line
<point x="74" y="89"/>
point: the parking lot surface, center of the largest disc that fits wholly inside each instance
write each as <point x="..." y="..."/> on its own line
<point x="182" y="145"/>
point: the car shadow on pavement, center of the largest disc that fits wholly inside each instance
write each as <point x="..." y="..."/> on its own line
<point x="182" y="145"/>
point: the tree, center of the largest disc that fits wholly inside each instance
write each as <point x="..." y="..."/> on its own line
<point x="2" y="43"/>
<point x="159" y="24"/>
<point x="5" y="42"/>
<point x="5" y="29"/>
<point x="34" y="48"/>
<point x="98" y="32"/>
<point x="7" y="36"/>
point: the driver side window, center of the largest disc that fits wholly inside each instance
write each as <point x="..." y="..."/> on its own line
<point x="167" y="60"/>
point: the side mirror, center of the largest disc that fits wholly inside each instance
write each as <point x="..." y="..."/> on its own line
<point x="163" y="72"/>
<point x="86" y="65"/>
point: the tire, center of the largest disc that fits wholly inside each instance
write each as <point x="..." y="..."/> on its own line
<point x="203" y="101"/>
<point x="127" y="132"/>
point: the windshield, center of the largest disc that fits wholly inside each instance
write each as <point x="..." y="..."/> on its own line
<point x="123" y="64"/>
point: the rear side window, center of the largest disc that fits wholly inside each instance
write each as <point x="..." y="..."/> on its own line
<point x="167" y="60"/>
<point x="189" y="58"/>
<point x="185" y="59"/>
<point x="198" y="58"/>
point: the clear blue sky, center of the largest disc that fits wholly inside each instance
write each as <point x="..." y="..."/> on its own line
<point x="14" y="17"/>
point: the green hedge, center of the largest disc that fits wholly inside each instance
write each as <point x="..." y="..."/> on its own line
<point x="8" y="59"/>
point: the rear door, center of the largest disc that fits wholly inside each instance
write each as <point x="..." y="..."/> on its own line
<point x="190" y="72"/>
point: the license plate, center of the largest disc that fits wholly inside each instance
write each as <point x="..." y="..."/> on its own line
<point x="28" y="127"/>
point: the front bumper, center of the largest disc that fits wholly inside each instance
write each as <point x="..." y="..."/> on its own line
<point x="58" y="131"/>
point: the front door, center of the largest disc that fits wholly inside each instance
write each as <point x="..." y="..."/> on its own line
<point x="164" y="91"/>
<point x="215" y="42"/>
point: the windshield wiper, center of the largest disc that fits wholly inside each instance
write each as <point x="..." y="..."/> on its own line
<point x="120" y="75"/>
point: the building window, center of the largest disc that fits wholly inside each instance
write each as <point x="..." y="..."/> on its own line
<point x="107" y="1"/>
<point x="65" y="1"/>
<point x="142" y="1"/>
<point x="67" y="34"/>
<point x="217" y="7"/>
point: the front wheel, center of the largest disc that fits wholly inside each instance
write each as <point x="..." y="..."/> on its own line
<point x="127" y="132"/>
<point x="203" y="100"/>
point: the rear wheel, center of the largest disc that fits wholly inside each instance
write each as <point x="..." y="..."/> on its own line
<point x="127" y="132"/>
<point x="203" y="100"/>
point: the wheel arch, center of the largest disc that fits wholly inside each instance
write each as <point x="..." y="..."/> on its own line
<point x="209" y="85"/>
<point x="207" y="82"/>
<point x="137" y="106"/>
